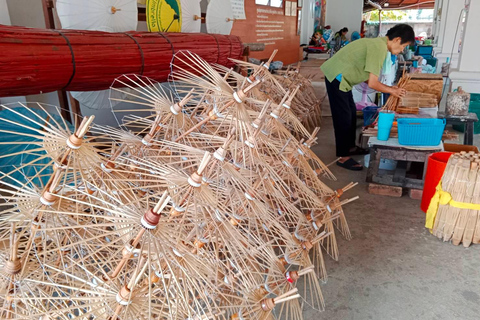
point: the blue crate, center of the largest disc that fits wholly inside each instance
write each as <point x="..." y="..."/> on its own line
<point x="424" y="51"/>
<point x="420" y="131"/>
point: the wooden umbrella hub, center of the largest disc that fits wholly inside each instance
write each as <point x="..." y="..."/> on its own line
<point x="176" y="211"/>
<point x="239" y="96"/>
<point x="306" y="245"/>
<point x="123" y="296"/>
<point x="200" y="243"/>
<point x="257" y="123"/>
<point x="150" y="219"/>
<point x="176" y="109"/>
<point x="48" y="198"/>
<point x="146" y="139"/>
<point x="13" y="267"/>
<point x="251" y="141"/>
<point x="74" y="142"/>
<point x="195" y="180"/>
<point x="108" y="166"/>
<point x="339" y="192"/>
<point x="267" y="304"/>
<point x="317" y="224"/>
<point x="253" y="78"/>
<point x="220" y="154"/>
<point x="213" y="114"/>
<point x="234" y="222"/>
<point x="292" y="276"/>
<point x="114" y="10"/>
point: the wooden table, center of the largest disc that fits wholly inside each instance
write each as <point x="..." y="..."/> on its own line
<point x="404" y="155"/>
<point x="468" y="120"/>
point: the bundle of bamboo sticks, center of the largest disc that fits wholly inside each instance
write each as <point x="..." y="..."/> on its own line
<point x="458" y="220"/>
<point x="206" y="207"/>
<point x="393" y="102"/>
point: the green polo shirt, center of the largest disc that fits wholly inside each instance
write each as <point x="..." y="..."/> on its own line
<point x="356" y="61"/>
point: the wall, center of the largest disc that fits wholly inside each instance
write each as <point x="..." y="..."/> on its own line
<point x="4" y="16"/>
<point x="467" y="75"/>
<point x="344" y="13"/>
<point x="280" y="29"/>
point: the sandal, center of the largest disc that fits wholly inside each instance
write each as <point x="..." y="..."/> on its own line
<point x="350" y="164"/>
<point x="359" y="152"/>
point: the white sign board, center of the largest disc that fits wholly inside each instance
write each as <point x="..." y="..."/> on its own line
<point x="238" y="7"/>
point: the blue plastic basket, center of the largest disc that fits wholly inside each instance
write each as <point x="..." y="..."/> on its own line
<point x="420" y="131"/>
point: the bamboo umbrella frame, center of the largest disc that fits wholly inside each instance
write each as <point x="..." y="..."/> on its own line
<point x="281" y="277"/>
<point x="305" y="105"/>
<point x="74" y="152"/>
<point x="138" y="225"/>
<point x="165" y="116"/>
<point x="198" y="191"/>
<point x="134" y="233"/>
<point x="237" y="80"/>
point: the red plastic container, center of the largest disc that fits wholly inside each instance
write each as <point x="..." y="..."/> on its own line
<point x="436" y="166"/>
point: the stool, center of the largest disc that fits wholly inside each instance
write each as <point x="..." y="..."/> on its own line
<point x="467" y="120"/>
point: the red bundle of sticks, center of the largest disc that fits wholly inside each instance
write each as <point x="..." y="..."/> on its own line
<point x="39" y="60"/>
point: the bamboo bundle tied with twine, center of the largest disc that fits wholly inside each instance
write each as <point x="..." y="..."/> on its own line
<point x="453" y="214"/>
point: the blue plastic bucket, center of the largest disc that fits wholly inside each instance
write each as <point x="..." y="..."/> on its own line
<point x="385" y="122"/>
<point x="369" y="115"/>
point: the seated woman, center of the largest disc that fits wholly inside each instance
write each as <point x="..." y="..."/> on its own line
<point x="340" y="39"/>
<point x="315" y="39"/>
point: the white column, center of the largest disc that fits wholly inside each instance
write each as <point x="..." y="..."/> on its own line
<point x="467" y="74"/>
<point x="4" y="15"/>
<point x="436" y="20"/>
<point x="308" y="10"/>
<point x="449" y="38"/>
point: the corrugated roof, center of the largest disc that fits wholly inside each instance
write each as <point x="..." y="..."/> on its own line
<point x="400" y="4"/>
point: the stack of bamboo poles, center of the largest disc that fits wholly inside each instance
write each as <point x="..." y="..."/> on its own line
<point x="205" y="207"/>
<point x="458" y="220"/>
<point x="393" y="102"/>
<point x="413" y="101"/>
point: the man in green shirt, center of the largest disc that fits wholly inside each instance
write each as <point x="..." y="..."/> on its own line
<point x="358" y="62"/>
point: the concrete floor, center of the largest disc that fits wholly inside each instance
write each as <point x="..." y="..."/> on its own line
<point x="393" y="268"/>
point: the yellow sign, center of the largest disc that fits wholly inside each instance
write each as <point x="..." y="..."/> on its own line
<point x="164" y="15"/>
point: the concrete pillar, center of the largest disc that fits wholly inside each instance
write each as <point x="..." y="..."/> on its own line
<point x="467" y="74"/>
<point x="449" y="38"/>
<point x="439" y="23"/>
<point x="436" y="20"/>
